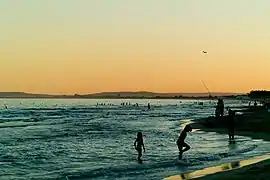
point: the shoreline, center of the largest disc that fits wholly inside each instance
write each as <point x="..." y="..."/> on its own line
<point x="126" y="95"/>
<point x="217" y="172"/>
<point x="254" y="123"/>
<point x="253" y="171"/>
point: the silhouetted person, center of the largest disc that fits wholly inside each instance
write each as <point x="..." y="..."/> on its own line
<point x="148" y="106"/>
<point x="139" y="145"/>
<point x="216" y="112"/>
<point x="181" y="141"/>
<point x="255" y="104"/>
<point x="221" y="107"/>
<point x="231" y="124"/>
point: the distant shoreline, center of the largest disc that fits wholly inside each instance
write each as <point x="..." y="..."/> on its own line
<point x="174" y="98"/>
<point x="122" y="95"/>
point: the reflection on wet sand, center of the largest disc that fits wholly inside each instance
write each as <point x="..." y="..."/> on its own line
<point x="220" y="168"/>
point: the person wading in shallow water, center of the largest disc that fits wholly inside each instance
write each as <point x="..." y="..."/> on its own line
<point x="219" y="108"/>
<point x="181" y="141"/>
<point x="231" y="125"/>
<point x="139" y="145"/>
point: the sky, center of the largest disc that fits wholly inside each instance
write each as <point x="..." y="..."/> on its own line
<point x="87" y="46"/>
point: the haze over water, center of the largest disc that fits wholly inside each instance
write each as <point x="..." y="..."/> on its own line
<point x="55" y="139"/>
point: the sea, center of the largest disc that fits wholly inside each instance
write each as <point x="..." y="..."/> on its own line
<point x="66" y="139"/>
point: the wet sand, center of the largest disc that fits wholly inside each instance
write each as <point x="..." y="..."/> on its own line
<point x="252" y="172"/>
<point x="253" y="122"/>
<point x="241" y="169"/>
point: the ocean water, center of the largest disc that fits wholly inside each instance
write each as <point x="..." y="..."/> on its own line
<point x="78" y="139"/>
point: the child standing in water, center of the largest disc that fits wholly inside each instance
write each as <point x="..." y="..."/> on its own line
<point x="139" y="145"/>
<point x="181" y="141"/>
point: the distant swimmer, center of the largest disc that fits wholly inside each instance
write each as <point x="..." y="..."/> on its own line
<point x="148" y="106"/>
<point x="181" y="141"/>
<point x="138" y="144"/>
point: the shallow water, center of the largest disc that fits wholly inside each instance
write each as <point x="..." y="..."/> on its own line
<point x="76" y="139"/>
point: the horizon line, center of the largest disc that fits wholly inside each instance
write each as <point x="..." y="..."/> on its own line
<point x="123" y="92"/>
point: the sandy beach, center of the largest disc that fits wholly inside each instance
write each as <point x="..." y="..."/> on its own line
<point x="253" y="122"/>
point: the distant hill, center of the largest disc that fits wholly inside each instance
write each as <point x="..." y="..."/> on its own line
<point x="139" y="94"/>
<point x="22" y="95"/>
<point x="123" y="94"/>
<point x="153" y="94"/>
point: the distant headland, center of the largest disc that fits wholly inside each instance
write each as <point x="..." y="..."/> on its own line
<point x="122" y="95"/>
<point x="256" y="94"/>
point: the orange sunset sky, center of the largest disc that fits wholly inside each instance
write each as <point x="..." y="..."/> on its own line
<point x="86" y="46"/>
